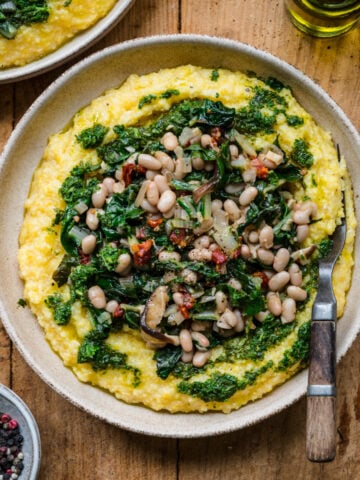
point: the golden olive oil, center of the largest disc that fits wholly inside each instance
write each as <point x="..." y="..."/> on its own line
<point x="324" y="18"/>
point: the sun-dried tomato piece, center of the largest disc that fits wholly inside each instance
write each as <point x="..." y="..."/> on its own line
<point x="218" y="256"/>
<point x="129" y="169"/>
<point x="84" y="258"/>
<point x="264" y="278"/>
<point x="154" y="223"/>
<point x="142" y="252"/>
<point x="118" y="312"/>
<point x="189" y="301"/>
<point x="262" y="171"/>
<point x="184" y="311"/>
<point x="180" y="237"/>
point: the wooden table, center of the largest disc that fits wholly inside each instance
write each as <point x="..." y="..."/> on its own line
<point x="77" y="446"/>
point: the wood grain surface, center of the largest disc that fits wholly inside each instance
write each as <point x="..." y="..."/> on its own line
<point x="79" y="447"/>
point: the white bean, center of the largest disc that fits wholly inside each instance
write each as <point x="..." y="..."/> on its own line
<point x="200" y="358"/>
<point x="170" y="141"/>
<point x="178" y="298"/>
<point x="150" y="174"/>
<point x="92" y="220"/>
<point x="239" y="327"/>
<point x="216" y="205"/>
<point x="301" y="217"/>
<point x="97" y="296"/>
<point x="167" y="201"/>
<point x="201" y="339"/>
<point x="273" y="303"/>
<point x="229" y="318"/>
<point x="205" y="140"/>
<point x="152" y="193"/>
<point x="247" y="196"/>
<point x="221" y="301"/>
<point x="249" y="175"/>
<point x="200" y="326"/>
<point x="111" y="306"/>
<point x="165" y="159"/>
<point x="146" y="205"/>
<point x="197" y="163"/>
<point x="170" y="213"/>
<point x="254" y="236"/>
<point x="187" y="357"/>
<point x="148" y="161"/>
<point x="245" y="252"/>
<point x="279" y="281"/>
<point x="297" y="293"/>
<point x="202" y="242"/>
<point x="281" y="259"/>
<point x="88" y="244"/>
<point x="99" y="196"/>
<point x="166" y="256"/>
<point x="200" y="254"/>
<point x="288" y="310"/>
<point x="161" y="183"/>
<point x="109" y="184"/>
<point x="189" y="277"/>
<point x="265" y="256"/>
<point x="186" y="340"/>
<point x="124" y="261"/>
<point x="295" y="275"/>
<point x="266" y="237"/>
<point x="302" y="232"/>
<point x="232" y="209"/>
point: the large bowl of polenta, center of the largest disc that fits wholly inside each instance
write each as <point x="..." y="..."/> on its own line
<point x="39" y="35"/>
<point x="161" y="245"/>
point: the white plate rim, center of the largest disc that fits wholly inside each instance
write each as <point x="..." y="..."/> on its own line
<point x="215" y="425"/>
<point x="74" y="47"/>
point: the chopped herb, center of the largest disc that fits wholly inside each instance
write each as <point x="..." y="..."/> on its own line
<point x="61" y="309"/>
<point x="146" y="100"/>
<point x="14" y="14"/>
<point x="169" y="93"/>
<point x="92" y="137"/>
<point x="325" y="247"/>
<point x="294" y="120"/>
<point x="299" y="352"/>
<point x="22" y="302"/>
<point x="214" y="75"/>
<point x="300" y="153"/>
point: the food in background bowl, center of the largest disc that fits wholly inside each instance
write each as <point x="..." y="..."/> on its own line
<point x="32" y="29"/>
<point x="171" y="238"/>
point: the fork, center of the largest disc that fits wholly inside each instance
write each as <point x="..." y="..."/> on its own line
<point x="321" y="391"/>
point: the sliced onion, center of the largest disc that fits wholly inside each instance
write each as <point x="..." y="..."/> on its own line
<point x="141" y="194"/>
<point x="226" y="240"/>
<point x="221" y="219"/>
<point x="244" y="143"/>
<point x="185" y="136"/>
<point x="204" y="226"/>
<point x="81" y="207"/>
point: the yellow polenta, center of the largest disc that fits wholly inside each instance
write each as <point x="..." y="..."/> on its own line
<point x="66" y="19"/>
<point x="41" y="250"/>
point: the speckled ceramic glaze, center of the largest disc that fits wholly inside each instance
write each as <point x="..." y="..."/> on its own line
<point x="13" y="405"/>
<point x="51" y="111"/>
<point x="70" y="49"/>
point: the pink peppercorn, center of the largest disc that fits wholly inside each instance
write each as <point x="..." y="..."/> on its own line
<point x="5" y="418"/>
<point x="13" y="424"/>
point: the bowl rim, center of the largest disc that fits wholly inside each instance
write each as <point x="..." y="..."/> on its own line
<point x="40" y="102"/>
<point x="25" y="411"/>
<point x="70" y="49"/>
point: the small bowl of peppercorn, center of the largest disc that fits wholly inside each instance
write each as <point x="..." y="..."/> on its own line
<point x="20" y="447"/>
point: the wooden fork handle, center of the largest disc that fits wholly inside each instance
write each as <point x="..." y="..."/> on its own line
<point x="321" y="400"/>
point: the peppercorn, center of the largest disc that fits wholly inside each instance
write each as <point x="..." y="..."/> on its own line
<point x="11" y="456"/>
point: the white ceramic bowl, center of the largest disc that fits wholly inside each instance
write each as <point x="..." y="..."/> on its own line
<point x="13" y="405"/>
<point x="70" y="49"/>
<point x="50" y="112"/>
